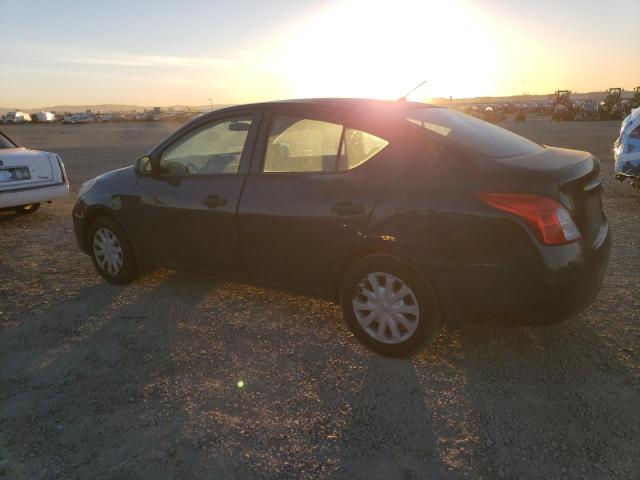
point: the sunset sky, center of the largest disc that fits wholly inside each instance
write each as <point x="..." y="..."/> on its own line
<point x="165" y="53"/>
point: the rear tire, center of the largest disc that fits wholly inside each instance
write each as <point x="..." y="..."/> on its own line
<point x="389" y="306"/>
<point x="30" y="208"/>
<point x="111" y="251"/>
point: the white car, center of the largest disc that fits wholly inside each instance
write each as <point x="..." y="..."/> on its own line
<point x="626" y="150"/>
<point x="29" y="177"/>
<point x="17" y="117"/>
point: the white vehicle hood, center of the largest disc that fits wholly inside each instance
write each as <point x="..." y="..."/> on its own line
<point x="42" y="166"/>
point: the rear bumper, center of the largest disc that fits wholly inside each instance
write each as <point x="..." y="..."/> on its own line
<point x="570" y="282"/>
<point x="33" y="195"/>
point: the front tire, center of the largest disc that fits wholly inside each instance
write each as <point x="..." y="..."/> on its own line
<point x="389" y="306"/>
<point x="30" y="208"/>
<point x="111" y="251"/>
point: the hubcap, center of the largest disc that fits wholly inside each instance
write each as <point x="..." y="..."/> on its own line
<point x="107" y="250"/>
<point x="386" y="308"/>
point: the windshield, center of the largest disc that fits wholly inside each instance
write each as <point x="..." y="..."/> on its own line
<point x="480" y="136"/>
<point x="5" y="142"/>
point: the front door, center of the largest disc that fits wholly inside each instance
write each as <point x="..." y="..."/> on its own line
<point x="186" y="215"/>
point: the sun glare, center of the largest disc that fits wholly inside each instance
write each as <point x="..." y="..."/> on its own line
<point x="382" y="50"/>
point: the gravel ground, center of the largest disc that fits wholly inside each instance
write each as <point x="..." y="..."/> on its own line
<point x="103" y="382"/>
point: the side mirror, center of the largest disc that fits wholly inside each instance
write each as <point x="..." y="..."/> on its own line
<point x="143" y="166"/>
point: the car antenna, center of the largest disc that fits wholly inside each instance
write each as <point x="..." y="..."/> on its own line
<point x="404" y="98"/>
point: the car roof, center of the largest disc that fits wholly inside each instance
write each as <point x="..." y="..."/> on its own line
<point x="374" y="111"/>
<point x="345" y="104"/>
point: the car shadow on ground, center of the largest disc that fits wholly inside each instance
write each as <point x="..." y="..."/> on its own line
<point x="391" y="431"/>
<point x="7" y="216"/>
<point x="78" y="392"/>
<point x="184" y="375"/>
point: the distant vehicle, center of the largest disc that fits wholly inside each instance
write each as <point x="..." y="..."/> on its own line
<point x="492" y="115"/>
<point x="635" y="101"/>
<point x="403" y="212"/>
<point x="78" y="118"/>
<point x="611" y="108"/>
<point x="626" y="150"/>
<point x="587" y="110"/>
<point x="116" y="118"/>
<point x="156" y="114"/>
<point x="44" y="117"/>
<point x="144" y="116"/>
<point x="104" y="118"/>
<point x="17" y="117"/>
<point x="563" y="107"/>
<point x="29" y="177"/>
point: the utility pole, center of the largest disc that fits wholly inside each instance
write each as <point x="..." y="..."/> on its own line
<point x="211" y="103"/>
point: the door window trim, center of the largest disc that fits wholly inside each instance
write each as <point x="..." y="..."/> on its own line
<point x="189" y="128"/>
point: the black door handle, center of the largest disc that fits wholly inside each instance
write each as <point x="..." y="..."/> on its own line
<point x="214" y="201"/>
<point x="347" y="207"/>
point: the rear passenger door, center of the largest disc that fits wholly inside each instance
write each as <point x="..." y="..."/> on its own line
<point x="307" y="201"/>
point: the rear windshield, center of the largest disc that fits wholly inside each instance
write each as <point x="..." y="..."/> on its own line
<point x="5" y="142"/>
<point x="478" y="135"/>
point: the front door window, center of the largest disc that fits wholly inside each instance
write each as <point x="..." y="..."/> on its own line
<point x="210" y="150"/>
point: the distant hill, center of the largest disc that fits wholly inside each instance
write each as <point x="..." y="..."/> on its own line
<point x="528" y="98"/>
<point x="107" y="107"/>
<point x="124" y="108"/>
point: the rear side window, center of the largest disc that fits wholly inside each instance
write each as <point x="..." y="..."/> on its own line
<point x="470" y="132"/>
<point x="358" y="147"/>
<point x="304" y="145"/>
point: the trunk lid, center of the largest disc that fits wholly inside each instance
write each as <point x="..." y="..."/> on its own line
<point x="577" y="176"/>
<point x="560" y="164"/>
<point x="22" y="168"/>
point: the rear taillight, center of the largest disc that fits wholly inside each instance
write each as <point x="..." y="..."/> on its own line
<point x="63" y="173"/>
<point x="551" y="222"/>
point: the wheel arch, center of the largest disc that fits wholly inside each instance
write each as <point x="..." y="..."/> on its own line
<point x="98" y="212"/>
<point x="406" y="270"/>
<point x="343" y="266"/>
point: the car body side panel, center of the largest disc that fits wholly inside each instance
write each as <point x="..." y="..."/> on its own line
<point x="290" y="235"/>
<point x="485" y="263"/>
<point x="177" y="225"/>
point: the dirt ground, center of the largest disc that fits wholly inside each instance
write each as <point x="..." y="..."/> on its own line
<point x="142" y="382"/>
